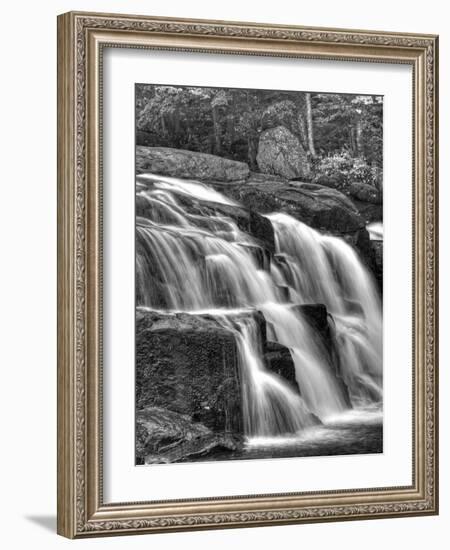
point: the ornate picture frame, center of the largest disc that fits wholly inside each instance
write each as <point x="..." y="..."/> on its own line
<point x="82" y="38"/>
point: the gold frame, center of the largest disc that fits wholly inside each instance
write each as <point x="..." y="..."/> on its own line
<point x="81" y="37"/>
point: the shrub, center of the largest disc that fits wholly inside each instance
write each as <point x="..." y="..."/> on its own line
<point x="340" y="170"/>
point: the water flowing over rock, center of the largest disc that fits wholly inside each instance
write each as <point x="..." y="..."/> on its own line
<point x="254" y="339"/>
<point x="197" y="202"/>
<point x="281" y="153"/>
<point x="181" y="163"/>
<point x="278" y="359"/>
<point x="318" y="206"/>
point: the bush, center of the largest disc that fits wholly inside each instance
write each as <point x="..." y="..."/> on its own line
<point x="340" y="170"/>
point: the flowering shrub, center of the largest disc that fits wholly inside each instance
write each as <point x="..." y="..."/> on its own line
<point x="340" y="170"/>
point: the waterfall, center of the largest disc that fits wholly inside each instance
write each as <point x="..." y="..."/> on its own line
<point x="191" y="256"/>
<point x="270" y="406"/>
<point x="325" y="269"/>
<point x="320" y="388"/>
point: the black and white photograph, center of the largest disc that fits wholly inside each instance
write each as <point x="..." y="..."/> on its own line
<point x="258" y="274"/>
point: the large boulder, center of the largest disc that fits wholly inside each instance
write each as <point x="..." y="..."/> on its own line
<point x="164" y="436"/>
<point x="365" y="192"/>
<point x="369" y="211"/>
<point x="318" y="206"/>
<point x="189" y="364"/>
<point x="281" y="153"/>
<point x="181" y="163"/>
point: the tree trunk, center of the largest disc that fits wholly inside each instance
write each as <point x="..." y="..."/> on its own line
<point x="309" y="123"/>
<point x="302" y="131"/>
<point x="252" y="145"/>
<point x="216" y="125"/>
<point x="352" y="140"/>
<point x="358" y="136"/>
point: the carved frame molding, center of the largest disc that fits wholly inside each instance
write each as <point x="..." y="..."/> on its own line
<point x="81" y="37"/>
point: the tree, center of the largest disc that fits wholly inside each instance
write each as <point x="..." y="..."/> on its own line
<point x="309" y="125"/>
<point x="228" y="122"/>
<point x="219" y="104"/>
<point x="349" y="122"/>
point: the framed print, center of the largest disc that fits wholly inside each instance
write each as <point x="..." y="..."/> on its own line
<point x="247" y="288"/>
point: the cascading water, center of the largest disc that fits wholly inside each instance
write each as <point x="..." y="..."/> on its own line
<point x="325" y="269"/>
<point x="191" y="256"/>
<point x="320" y="388"/>
<point x="270" y="406"/>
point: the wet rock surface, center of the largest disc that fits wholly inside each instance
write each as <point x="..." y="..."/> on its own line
<point x="322" y="325"/>
<point x="278" y="359"/>
<point x="377" y="248"/>
<point x="189" y="362"/>
<point x="318" y="206"/>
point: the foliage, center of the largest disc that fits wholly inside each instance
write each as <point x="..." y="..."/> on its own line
<point x="349" y="122"/>
<point x="341" y="132"/>
<point x="341" y="169"/>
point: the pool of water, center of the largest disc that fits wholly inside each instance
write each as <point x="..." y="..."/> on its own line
<point x="354" y="432"/>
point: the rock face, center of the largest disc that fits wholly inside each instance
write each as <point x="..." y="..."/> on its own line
<point x="369" y="211"/>
<point x="247" y="220"/>
<point x="278" y="359"/>
<point x="317" y="316"/>
<point x="169" y="349"/>
<point x="181" y="163"/>
<point x="328" y="180"/>
<point x="281" y="153"/>
<point x="164" y="436"/>
<point x="361" y="241"/>
<point x="365" y="192"/>
<point x="377" y="247"/>
<point x="322" y="324"/>
<point x="188" y="385"/>
<point x="320" y="207"/>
